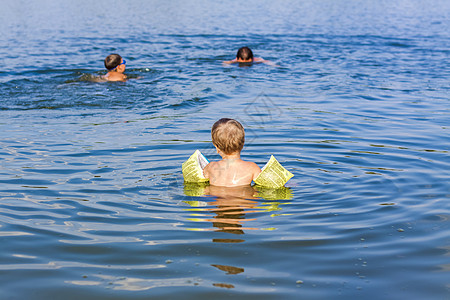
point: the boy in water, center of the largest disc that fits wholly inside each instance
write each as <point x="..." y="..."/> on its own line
<point x="115" y="65"/>
<point x="245" y="55"/>
<point x="228" y="137"/>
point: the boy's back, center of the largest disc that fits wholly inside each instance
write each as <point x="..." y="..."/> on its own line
<point x="231" y="172"/>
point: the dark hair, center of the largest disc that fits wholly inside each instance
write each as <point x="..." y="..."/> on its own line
<point x="228" y="135"/>
<point x="244" y="53"/>
<point x="112" y="61"/>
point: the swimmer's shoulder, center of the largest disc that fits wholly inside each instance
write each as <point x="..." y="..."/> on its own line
<point x="115" y="77"/>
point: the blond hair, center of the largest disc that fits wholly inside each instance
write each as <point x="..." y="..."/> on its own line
<point x="228" y="135"/>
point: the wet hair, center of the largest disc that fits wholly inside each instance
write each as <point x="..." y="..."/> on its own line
<point x="244" y="53"/>
<point x="112" y="61"/>
<point x="228" y="135"/>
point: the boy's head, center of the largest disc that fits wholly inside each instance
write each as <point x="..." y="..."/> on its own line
<point x="244" y="54"/>
<point x="113" y="61"/>
<point x="228" y="136"/>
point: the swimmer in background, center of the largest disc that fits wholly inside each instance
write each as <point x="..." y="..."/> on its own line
<point x="228" y="137"/>
<point x="245" y="55"/>
<point x="115" y="65"/>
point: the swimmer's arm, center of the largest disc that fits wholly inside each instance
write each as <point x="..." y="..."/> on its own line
<point x="206" y="171"/>
<point x="267" y="62"/>
<point x="99" y="79"/>
<point x="255" y="170"/>
<point x="229" y="62"/>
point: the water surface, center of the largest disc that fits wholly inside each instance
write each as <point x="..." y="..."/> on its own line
<point x="92" y="200"/>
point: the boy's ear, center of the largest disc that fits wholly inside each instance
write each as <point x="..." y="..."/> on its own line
<point x="217" y="149"/>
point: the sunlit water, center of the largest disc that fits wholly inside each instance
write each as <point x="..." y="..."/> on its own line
<point x="92" y="200"/>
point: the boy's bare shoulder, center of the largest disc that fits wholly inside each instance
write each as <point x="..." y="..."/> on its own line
<point x="116" y="77"/>
<point x="251" y="166"/>
<point x="207" y="169"/>
<point x="211" y="164"/>
<point x="253" y="169"/>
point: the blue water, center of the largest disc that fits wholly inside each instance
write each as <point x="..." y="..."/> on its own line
<point x="92" y="199"/>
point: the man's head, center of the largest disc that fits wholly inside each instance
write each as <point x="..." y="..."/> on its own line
<point x="228" y="136"/>
<point x="244" y="54"/>
<point x="114" y="61"/>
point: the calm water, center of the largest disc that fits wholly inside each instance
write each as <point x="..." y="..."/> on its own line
<point x="92" y="200"/>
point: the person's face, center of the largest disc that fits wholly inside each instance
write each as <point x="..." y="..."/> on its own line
<point x="240" y="60"/>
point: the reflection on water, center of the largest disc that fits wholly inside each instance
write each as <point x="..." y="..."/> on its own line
<point x="223" y="285"/>
<point x="245" y="192"/>
<point x="232" y="207"/>
<point x="282" y="193"/>
<point x="133" y="284"/>
<point x="229" y="270"/>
